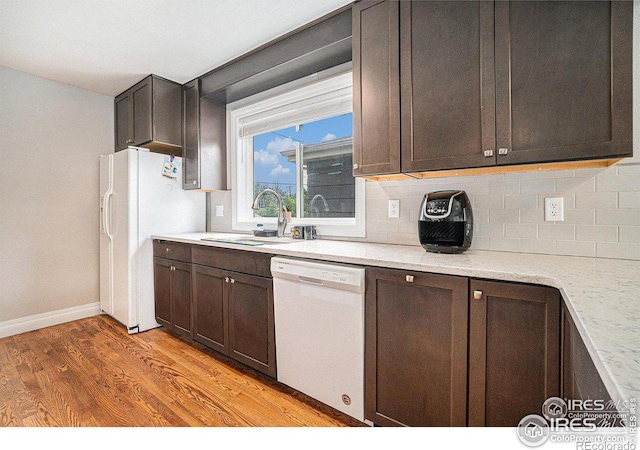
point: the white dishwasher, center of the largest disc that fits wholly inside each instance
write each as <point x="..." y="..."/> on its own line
<point x="319" y="322"/>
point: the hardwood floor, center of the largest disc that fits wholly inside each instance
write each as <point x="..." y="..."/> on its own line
<point x="91" y="373"/>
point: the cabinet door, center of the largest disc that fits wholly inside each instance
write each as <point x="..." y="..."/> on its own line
<point x="376" y="88"/>
<point x="415" y="348"/>
<point x="563" y="80"/>
<point x="181" y="298"/>
<point x="162" y="291"/>
<point x="191" y="136"/>
<point x="514" y="351"/>
<point x="141" y="112"/>
<point x="251" y="323"/>
<point x="210" y="305"/>
<point x="124" y="136"/>
<point x="448" y="88"/>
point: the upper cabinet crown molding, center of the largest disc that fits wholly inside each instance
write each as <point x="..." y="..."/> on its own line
<point x="489" y="84"/>
<point x="149" y="114"/>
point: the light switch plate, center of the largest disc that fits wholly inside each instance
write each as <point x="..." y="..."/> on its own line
<point x="219" y="210"/>
<point x="554" y="209"/>
<point x="394" y="209"/>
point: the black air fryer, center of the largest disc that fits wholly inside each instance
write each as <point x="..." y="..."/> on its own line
<point x="446" y="222"/>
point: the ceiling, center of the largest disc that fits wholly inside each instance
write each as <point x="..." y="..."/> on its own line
<point x="106" y="46"/>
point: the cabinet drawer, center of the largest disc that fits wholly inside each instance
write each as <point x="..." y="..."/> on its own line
<point x="242" y="261"/>
<point x="172" y="250"/>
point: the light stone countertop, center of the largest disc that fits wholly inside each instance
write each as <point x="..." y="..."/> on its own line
<point x="602" y="295"/>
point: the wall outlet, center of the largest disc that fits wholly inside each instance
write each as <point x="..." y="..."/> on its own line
<point x="394" y="209"/>
<point x="554" y="209"/>
<point x="219" y="210"/>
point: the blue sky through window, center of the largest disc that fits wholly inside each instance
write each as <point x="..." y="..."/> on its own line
<point x="270" y="167"/>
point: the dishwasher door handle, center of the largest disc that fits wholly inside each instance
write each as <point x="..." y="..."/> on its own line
<point x="310" y="281"/>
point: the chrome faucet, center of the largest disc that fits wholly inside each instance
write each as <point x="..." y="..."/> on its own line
<point x="282" y="211"/>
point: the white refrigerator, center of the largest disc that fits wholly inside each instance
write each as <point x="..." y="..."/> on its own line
<point x="137" y="201"/>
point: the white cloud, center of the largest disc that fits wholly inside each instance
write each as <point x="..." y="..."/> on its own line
<point x="269" y="157"/>
<point x="265" y="158"/>
<point x="279" y="170"/>
<point x="329" y="137"/>
<point x="280" y="145"/>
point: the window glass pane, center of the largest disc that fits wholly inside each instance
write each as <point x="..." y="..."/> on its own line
<point x="327" y="168"/>
<point x="274" y="167"/>
<point x="324" y="182"/>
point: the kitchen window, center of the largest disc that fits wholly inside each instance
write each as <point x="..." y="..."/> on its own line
<point x="297" y="142"/>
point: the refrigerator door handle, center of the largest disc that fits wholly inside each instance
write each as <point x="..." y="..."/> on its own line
<point x="106" y="216"/>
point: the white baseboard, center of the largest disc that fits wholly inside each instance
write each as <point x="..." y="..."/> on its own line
<point x="30" y="323"/>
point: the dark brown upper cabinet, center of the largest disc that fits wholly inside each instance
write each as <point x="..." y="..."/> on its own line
<point x="563" y="80"/>
<point x="204" y="146"/>
<point x="487" y="84"/>
<point x="448" y="105"/>
<point x="376" y="88"/>
<point x="149" y="115"/>
<point x="514" y="351"/>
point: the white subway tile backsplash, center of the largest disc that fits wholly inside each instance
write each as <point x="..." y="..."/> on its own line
<point x="520" y="201"/>
<point x="619" y="182"/>
<point x="629" y="199"/>
<point x="532" y="215"/>
<point x="597" y="233"/>
<point x="504" y="244"/>
<point x="595" y="200"/>
<point x="544" y="246"/>
<point x="618" y="250"/>
<point x="601" y="211"/>
<point x="556" y="231"/>
<point x="629" y="234"/>
<point x="625" y="216"/>
<point x="504" y="216"/>
<point x="538" y="186"/>
<point x="580" y="216"/>
<point x="576" y="248"/>
<point x="567" y="185"/>
<point x="521" y="230"/>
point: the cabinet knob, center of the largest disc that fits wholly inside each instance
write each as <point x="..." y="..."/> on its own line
<point x="226" y="279"/>
<point x="129" y="141"/>
<point x="488" y="153"/>
<point x="355" y="166"/>
<point x="194" y="182"/>
<point x="173" y="268"/>
<point x="409" y="278"/>
<point x="232" y="280"/>
<point x="168" y="249"/>
<point x="503" y="151"/>
<point x="477" y="295"/>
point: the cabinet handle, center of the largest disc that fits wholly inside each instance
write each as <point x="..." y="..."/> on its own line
<point x="226" y="279"/>
<point x="355" y="166"/>
<point x="503" y="151"/>
<point x="488" y="153"/>
<point x="477" y="295"/>
<point x="232" y="280"/>
<point x="129" y="141"/>
<point x="173" y="268"/>
<point x="409" y="278"/>
<point x="168" y="249"/>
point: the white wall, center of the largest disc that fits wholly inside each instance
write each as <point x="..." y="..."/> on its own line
<point x="51" y="135"/>
<point x="602" y="206"/>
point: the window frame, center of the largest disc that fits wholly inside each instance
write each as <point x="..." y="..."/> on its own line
<point x="293" y="96"/>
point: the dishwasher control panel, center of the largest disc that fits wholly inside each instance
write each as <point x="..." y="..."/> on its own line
<point x="318" y="273"/>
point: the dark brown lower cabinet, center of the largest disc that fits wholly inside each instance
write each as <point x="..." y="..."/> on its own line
<point x="514" y="351"/>
<point x="210" y="306"/>
<point x="233" y="314"/>
<point x="415" y="348"/>
<point x="172" y="285"/>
